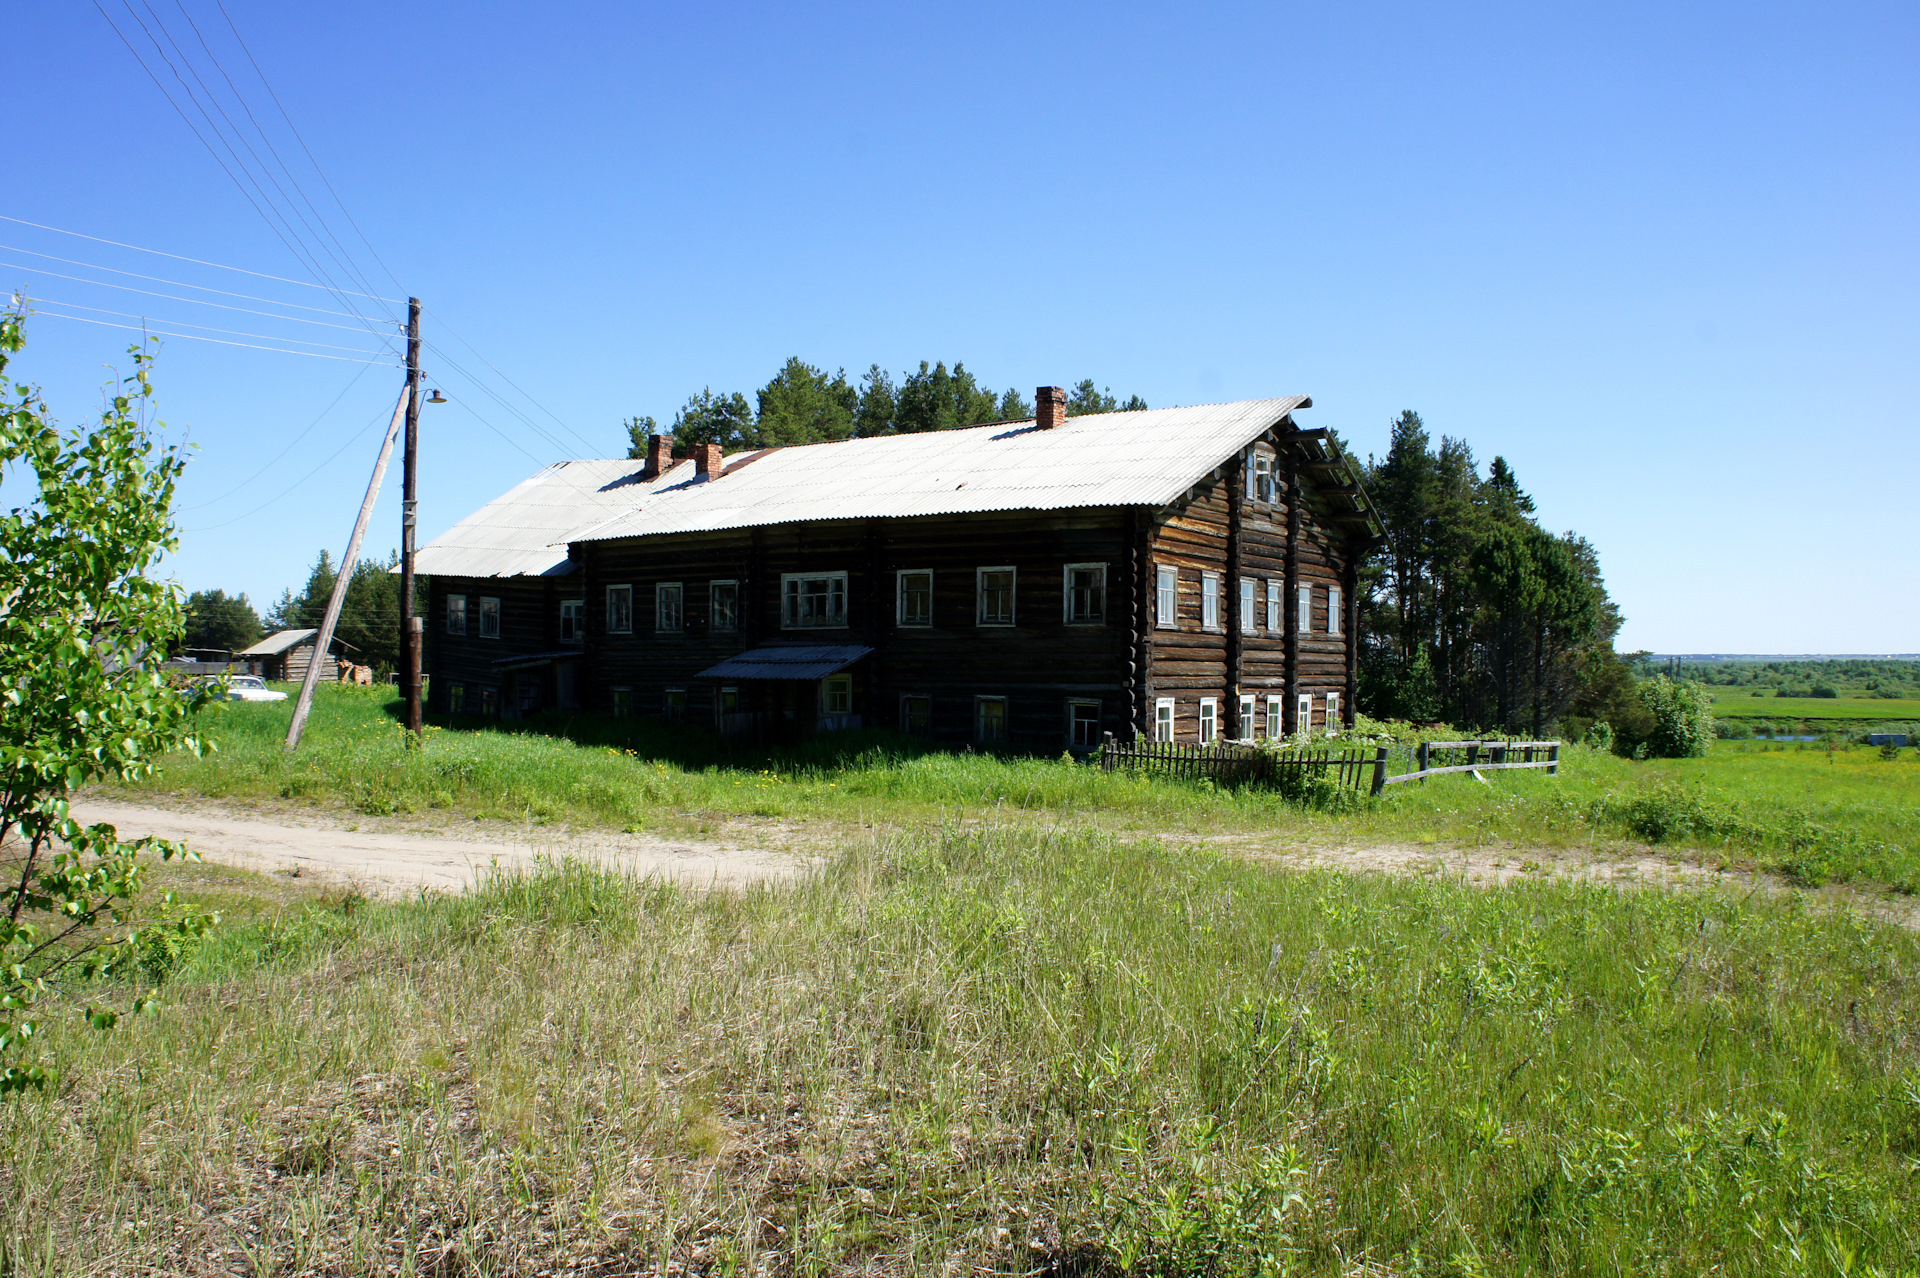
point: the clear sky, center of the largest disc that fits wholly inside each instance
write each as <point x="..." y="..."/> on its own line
<point x="1661" y="257"/>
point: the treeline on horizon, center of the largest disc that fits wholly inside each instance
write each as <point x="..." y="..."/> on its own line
<point x="806" y="405"/>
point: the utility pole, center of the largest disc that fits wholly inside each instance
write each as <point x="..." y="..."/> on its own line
<point x="410" y="628"/>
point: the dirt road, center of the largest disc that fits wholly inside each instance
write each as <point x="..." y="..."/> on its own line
<point x="390" y="861"/>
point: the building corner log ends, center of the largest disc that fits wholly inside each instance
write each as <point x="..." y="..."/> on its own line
<point x="1235" y="471"/>
<point x="1290" y="601"/>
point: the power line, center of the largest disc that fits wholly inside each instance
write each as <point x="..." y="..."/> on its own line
<point x="354" y="439"/>
<point x="351" y="383"/>
<point x="192" y="337"/>
<point x="155" y="279"/>
<point x="271" y="337"/>
<point x="509" y="381"/>
<point x="147" y="292"/>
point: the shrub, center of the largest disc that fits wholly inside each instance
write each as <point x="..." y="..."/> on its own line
<point x="1600" y="735"/>
<point x="1822" y="690"/>
<point x="1682" y="715"/>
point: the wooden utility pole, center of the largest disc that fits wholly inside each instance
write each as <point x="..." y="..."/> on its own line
<point x="410" y="629"/>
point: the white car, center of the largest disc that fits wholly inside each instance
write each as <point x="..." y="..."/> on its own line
<point x="250" y="688"/>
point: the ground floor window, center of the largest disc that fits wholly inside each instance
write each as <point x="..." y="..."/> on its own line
<point x="1209" y="720"/>
<point x="676" y="704"/>
<point x="1274" y="729"/>
<point x="729" y="702"/>
<point x="1304" y="723"/>
<point x="1083" y="724"/>
<point x="573" y="620"/>
<point x="990" y="720"/>
<point x="457" y="698"/>
<point x="916" y="715"/>
<point x="489" y="701"/>
<point x="622" y="703"/>
<point x="836" y="694"/>
<point x="1246" y="724"/>
<point x="1333" y="714"/>
<point x="526" y="689"/>
<point x="1163" y="719"/>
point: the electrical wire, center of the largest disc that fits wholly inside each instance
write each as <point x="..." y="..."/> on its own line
<point x="271" y="337"/>
<point x="508" y="380"/>
<point x="357" y="436"/>
<point x="155" y="279"/>
<point x="191" y="301"/>
<point x="351" y="383"/>
<point x="481" y="386"/>
<point x="139" y="328"/>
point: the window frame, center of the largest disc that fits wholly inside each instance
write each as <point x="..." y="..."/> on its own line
<point x="1276" y="716"/>
<point x="623" y="592"/>
<point x="731" y="625"/>
<point x="829" y="686"/>
<point x="462" y="628"/>
<point x="1210" y="601"/>
<point x="1333" y="714"/>
<point x="726" y="701"/>
<point x="495" y="611"/>
<point x="620" y="701"/>
<point x="789" y="617"/>
<point x="1334" y="600"/>
<point x="573" y="620"/>
<point x="980" y="597"/>
<point x="1266" y="479"/>
<point x="1166" y="597"/>
<point x="980" y="703"/>
<point x="1249" y="607"/>
<point x="1249" y="718"/>
<point x="1209" y="729"/>
<point x="1166" y="718"/>
<point x="1303" y="608"/>
<point x="1067" y="591"/>
<point x="1303" y="714"/>
<point x="663" y="591"/>
<point x="900" y="617"/>
<point x="489" y="700"/>
<point x="906" y="714"/>
<point x="1074" y="721"/>
<point x="671" y="710"/>
<point x="456" y="698"/>
<point x="1276" y="616"/>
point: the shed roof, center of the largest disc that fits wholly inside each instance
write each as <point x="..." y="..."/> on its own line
<point x="275" y="644"/>
<point x="787" y="661"/>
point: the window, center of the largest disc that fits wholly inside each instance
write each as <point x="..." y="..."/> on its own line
<point x="620" y="610"/>
<point x="1086" y="593"/>
<point x="1333" y="714"/>
<point x="996" y="597"/>
<point x="810" y="601"/>
<point x="1249" y="614"/>
<point x="1333" y="610"/>
<point x="1303" y="618"/>
<point x="622" y="703"/>
<point x="669" y="611"/>
<point x="1083" y="724"/>
<point x="456" y="614"/>
<point x="489" y="701"/>
<point x="1263" y="477"/>
<point x="573" y="620"/>
<point x="990" y="719"/>
<point x="1246" y="716"/>
<point x="1210" y="600"/>
<point x="916" y="715"/>
<point x="1274" y="728"/>
<point x="1209" y="719"/>
<point x="1273" y="606"/>
<point x="489" y="618"/>
<point x="1303" y="722"/>
<point x="1166" y="598"/>
<point x="675" y="704"/>
<point x="723" y="607"/>
<point x="457" y="698"/>
<point x="526" y="691"/>
<point x="914" y="604"/>
<point x="836" y="694"/>
<point x="729" y="702"/>
<point x="1163" y="719"/>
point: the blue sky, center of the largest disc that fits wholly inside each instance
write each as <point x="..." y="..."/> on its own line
<point x="1660" y="257"/>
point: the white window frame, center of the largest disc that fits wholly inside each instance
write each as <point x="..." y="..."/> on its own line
<point x="1209" y="720"/>
<point x="573" y="620"/>
<point x="1333" y="714"/>
<point x="1276" y="726"/>
<point x="980" y="720"/>
<point x="1247" y="716"/>
<point x="1266" y="467"/>
<point x="663" y="591"/>
<point x="1210" y="601"/>
<point x="836" y="694"/>
<point x="1249" y="610"/>
<point x="1333" y="610"/>
<point x="714" y="623"/>
<point x="1083" y="703"/>
<point x="1274" y="621"/>
<point x="1303" y="608"/>
<point x="980" y="596"/>
<point x="485" y="612"/>
<point x="1066" y="595"/>
<point x="900" y="617"/>
<point x="617" y="624"/>
<point x="460" y="612"/>
<point x="1166" y="597"/>
<point x="1303" y="714"/>
<point x="789" y="600"/>
<point x="1165" y="717"/>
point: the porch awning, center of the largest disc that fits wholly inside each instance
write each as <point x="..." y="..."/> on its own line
<point x="786" y="663"/>
<point x="535" y="659"/>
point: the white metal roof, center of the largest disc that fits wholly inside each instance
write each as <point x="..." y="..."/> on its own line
<point x="1103" y="459"/>
<point x="524" y="531"/>
<point x="275" y="644"/>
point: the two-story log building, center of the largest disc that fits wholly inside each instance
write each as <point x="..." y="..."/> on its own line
<point x="1183" y="573"/>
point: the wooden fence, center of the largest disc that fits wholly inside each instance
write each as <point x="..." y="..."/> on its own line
<point x="1352" y="766"/>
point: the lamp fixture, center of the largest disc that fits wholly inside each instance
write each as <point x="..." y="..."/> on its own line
<point x="435" y="397"/>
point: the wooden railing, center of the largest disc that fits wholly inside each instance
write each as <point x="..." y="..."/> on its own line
<point x="1357" y="767"/>
<point x="1498" y="754"/>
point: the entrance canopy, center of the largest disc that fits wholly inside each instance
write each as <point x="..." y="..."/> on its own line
<point x="786" y="663"/>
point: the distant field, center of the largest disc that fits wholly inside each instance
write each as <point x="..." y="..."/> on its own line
<point x="1740" y="703"/>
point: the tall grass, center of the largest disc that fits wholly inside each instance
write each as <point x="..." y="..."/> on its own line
<point x="1004" y="1049"/>
<point x="1819" y="815"/>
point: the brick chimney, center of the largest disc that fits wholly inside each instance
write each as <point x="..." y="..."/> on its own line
<point x="1050" y="406"/>
<point x="706" y="461"/>
<point x="659" y="456"/>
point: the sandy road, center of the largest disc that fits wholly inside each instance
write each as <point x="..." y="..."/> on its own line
<point x="399" y="862"/>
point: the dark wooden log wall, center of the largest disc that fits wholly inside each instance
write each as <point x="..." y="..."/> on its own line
<point x="529" y="623"/>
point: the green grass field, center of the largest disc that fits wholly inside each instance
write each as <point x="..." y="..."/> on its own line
<point x="1818" y="815"/>
<point x="997" y="1050"/>
<point x="1740" y="703"/>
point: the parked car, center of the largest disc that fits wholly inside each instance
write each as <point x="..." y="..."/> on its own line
<point x="249" y="688"/>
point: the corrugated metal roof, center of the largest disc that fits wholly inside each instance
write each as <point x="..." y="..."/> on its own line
<point x="784" y="662"/>
<point x="524" y="532"/>
<point x="1105" y="459"/>
<point x="275" y="644"/>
